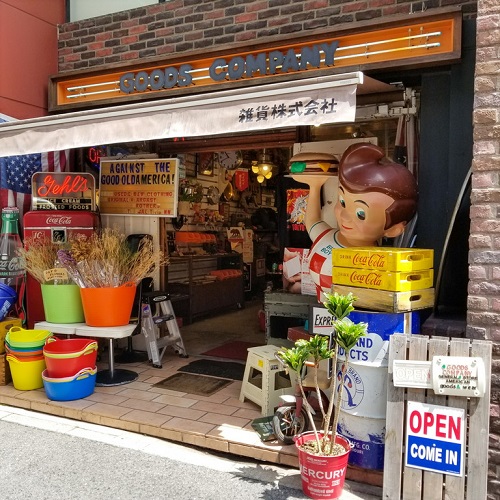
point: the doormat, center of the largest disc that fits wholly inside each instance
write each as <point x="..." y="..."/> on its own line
<point x="222" y="369"/>
<point x="193" y="384"/>
<point x="232" y="350"/>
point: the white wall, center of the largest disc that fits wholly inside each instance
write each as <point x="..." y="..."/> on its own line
<point x="85" y="9"/>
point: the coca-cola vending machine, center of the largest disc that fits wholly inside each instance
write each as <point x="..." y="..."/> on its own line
<point x="64" y="205"/>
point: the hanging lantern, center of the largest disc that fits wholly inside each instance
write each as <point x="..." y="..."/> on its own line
<point x="263" y="167"/>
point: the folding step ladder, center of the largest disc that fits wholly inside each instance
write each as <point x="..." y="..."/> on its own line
<point x="150" y="324"/>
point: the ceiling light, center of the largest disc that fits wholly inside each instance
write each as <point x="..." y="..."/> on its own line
<point x="263" y="167"/>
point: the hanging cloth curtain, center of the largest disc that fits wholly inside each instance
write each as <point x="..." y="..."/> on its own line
<point x="407" y="143"/>
<point x="406" y="152"/>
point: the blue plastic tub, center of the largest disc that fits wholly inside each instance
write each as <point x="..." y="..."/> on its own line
<point x="78" y="386"/>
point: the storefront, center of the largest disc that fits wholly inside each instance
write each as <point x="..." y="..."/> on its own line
<point x="157" y="101"/>
<point x="365" y="78"/>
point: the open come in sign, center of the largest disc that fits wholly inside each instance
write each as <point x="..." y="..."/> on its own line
<point x="435" y="438"/>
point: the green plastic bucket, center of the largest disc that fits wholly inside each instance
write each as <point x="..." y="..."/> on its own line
<point x="62" y="304"/>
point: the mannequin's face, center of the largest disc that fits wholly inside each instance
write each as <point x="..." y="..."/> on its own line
<point x="361" y="217"/>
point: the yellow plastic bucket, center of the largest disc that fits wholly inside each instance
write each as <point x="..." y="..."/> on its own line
<point x="26" y="375"/>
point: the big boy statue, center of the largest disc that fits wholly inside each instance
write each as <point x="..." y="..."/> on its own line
<point x="377" y="198"/>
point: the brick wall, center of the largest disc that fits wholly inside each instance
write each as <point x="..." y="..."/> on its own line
<point x="185" y="25"/>
<point x="483" y="318"/>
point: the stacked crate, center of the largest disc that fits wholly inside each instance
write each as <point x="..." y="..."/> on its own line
<point x="385" y="279"/>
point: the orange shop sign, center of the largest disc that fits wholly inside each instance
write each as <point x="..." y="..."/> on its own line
<point x="410" y="42"/>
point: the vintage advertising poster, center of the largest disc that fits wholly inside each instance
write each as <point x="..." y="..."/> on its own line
<point x="296" y="203"/>
<point x="139" y="187"/>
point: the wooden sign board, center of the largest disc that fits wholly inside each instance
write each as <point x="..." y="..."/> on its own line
<point x="139" y="187"/>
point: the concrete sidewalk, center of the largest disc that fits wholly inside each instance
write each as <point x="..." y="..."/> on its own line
<point x="254" y="470"/>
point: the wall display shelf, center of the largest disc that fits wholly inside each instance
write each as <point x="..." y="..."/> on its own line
<point x="284" y="310"/>
<point x="190" y="277"/>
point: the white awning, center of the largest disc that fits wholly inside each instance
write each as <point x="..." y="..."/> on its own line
<point x="329" y="99"/>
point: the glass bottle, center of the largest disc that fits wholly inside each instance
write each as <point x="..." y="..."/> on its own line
<point x="12" y="271"/>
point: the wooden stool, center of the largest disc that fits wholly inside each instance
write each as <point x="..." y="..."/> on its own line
<point x="265" y="379"/>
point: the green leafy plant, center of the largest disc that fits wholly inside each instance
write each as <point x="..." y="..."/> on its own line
<point x="305" y="357"/>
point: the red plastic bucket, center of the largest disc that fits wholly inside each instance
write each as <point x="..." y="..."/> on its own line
<point x="322" y="477"/>
<point x="65" y="357"/>
<point x="109" y="306"/>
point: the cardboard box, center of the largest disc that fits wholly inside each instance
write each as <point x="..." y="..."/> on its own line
<point x="383" y="280"/>
<point x="384" y="259"/>
<point x="386" y="301"/>
<point x="5" y="326"/>
<point x="296" y="275"/>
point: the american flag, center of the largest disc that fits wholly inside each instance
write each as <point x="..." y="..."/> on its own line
<point x="16" y="172"/>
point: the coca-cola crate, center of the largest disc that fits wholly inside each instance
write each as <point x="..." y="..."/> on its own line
<point x="386" y="301"/>
<point x="5" y="326"/>
<point x="383" y="280"/>
<point x="384" y="259"/>
<point x="5" y="376"/>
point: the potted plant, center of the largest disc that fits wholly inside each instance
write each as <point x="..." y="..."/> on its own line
<point x="322" y="450"/>
<point x="60" y="294"/>
<point x="107" y="272"/>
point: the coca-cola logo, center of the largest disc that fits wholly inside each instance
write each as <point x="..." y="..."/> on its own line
<point x="375" y="260"/>
<point x="60" y="220"/>
<point x="12" y="265"/>
<point x="372" y="279"/>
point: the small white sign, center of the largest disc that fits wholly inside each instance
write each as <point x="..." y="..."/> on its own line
<point x="415" y="374"/>
<point x="458" y="376"/>
<point x="435" y="438"/>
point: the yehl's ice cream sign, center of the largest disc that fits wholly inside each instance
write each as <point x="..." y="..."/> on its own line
<point x="432" y="38"/>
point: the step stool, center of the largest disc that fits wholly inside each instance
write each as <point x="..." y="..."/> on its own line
<point x="265" y="379"/>
<point x="150" y="328"/>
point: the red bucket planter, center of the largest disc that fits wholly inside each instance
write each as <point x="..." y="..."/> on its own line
<point x="322" y="476"/>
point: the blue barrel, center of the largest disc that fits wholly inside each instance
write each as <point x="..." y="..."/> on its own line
<point x="364" y="398"/>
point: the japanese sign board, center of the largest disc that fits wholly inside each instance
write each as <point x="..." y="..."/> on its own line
<point x="63" y="191"/>
<point x="435" y="438"/>
<point x="139" y="187"/>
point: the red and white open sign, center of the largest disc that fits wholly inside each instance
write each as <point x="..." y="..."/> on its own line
<point x="435" y="438"/>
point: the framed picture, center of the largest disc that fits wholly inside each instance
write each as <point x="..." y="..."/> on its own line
<point x="205" y="163"/>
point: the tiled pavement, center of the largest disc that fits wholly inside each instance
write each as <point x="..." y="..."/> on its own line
<point x="219" y="422"/>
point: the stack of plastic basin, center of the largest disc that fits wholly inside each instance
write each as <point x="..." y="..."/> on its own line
<point x="71" y="368"/>
<point x="24" y="350"/>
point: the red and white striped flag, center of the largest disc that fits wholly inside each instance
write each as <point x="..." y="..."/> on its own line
<point x="16" y="173"/>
